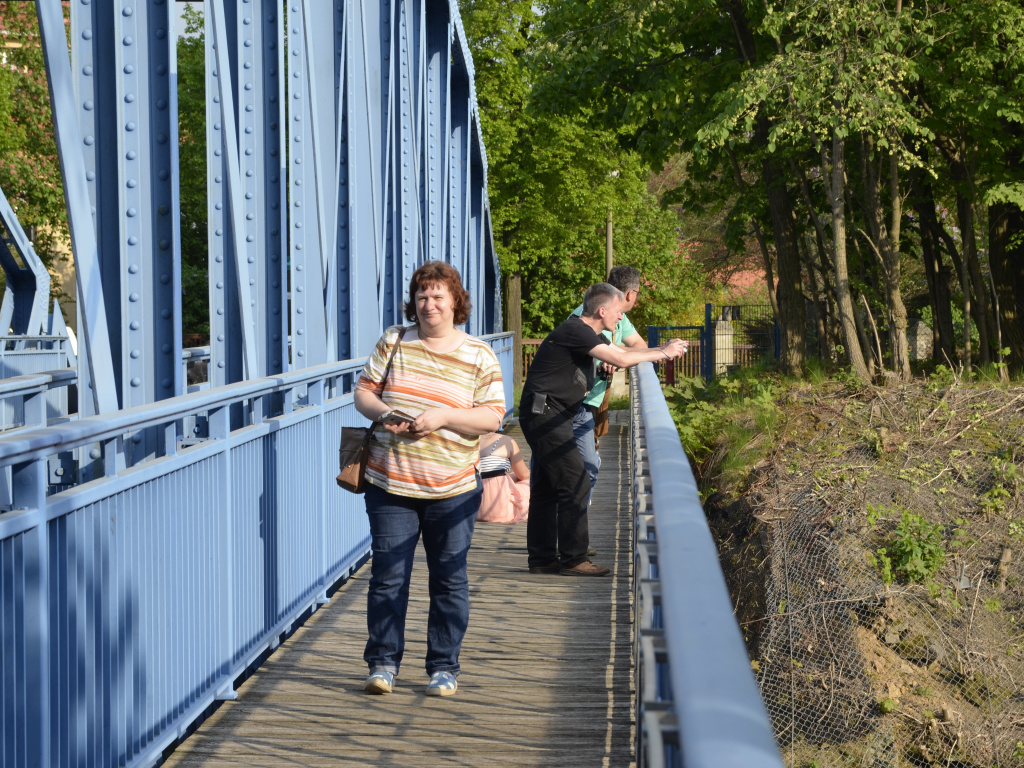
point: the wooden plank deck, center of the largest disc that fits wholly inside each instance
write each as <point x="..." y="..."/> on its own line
<point x="546" y="678"/>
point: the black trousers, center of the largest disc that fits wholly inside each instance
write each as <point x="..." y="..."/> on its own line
<point x="559" y="492"/>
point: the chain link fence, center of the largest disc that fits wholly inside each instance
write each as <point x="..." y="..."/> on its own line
<point x="887" y="629"/>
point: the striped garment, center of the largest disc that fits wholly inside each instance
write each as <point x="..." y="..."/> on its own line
<point x="443" y="463"/>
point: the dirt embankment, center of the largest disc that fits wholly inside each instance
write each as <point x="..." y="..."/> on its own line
<point x="875" y="558"/>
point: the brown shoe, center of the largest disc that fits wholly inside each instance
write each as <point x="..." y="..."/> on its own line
<point x="586" y="568"/>
<point x="553" y="567"/>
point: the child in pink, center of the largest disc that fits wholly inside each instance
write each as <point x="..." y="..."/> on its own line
<point x="506" y="480"/>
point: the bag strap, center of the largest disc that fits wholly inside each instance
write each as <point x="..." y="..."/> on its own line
<point x="387" y="370"/>
<point x="391" y="357"/>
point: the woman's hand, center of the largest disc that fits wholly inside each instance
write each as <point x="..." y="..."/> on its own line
<point x="429" y="421"/>
<point x="466" y="421"/>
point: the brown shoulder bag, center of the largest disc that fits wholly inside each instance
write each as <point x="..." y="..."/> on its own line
<point x="354" y="450"/>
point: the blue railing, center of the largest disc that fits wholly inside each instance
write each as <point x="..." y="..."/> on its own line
<point x="698" y="705"/>
<point x="133" y="602"/>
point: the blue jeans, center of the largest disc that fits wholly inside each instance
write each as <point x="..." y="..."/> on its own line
<point x="583" y="431"/>
<point x="396" y="523"/>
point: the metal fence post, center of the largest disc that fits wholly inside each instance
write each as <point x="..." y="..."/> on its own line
<point x="707" y="345"/>
<point x="28" y="481"/>
<point x="220" y="430"/>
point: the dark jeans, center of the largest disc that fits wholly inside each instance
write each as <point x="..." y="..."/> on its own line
<point x="396" y="523"/>
<point x="583" y="431"/>
<point x="559" y="492"/>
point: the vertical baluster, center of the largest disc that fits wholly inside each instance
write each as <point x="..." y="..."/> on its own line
<point x="29" y="493"/>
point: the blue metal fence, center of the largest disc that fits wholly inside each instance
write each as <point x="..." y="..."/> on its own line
<point x="154" y="547"/>
<point x="733" y="336"/>
<point x="698" y="705"/>
<point x="133" y="602"/>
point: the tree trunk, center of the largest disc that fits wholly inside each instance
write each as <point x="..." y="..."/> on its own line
<point x="766" y="258"/>
<point x="985" y="323"/>
<point x="936" y="273"/>
<point x="860" y="319"/>
<point x="818" y="302"/>
<point x="835" y="187"/>
<point x="889" y="256"/>
<point x="825" y="270"/>
<point x="514" y="323"/>
<point x="792" y="312"/>
<point x="1006" y="257"/>
<point x="960" y="268"/>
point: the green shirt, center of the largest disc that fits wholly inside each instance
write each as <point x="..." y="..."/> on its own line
<point x="623" y="330"/>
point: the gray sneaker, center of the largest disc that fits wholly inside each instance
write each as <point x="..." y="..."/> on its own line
<point x="442" y="684"/>
<point x="379" y="681"/>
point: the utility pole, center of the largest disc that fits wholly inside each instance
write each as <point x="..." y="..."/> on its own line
<point x="608" y="248"/>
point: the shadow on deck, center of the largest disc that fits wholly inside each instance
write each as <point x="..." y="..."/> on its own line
<point x="546" y="678"/>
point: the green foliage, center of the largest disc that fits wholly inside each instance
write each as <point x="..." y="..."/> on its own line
<point x="961" y="539"/>
<point x="553" y="180"/>
<point x="914" y="552"/>
<point x="699" y="420"/>
<point x="916" y="549"/>
<point x="887" y="705"/>
<point x="814" y="371"/>
<point x="993" y="501"/>
<point x="874" y="441"/>
<point x="842" y="71"/>
<point x="876" y="513"/>
<point x="29" y="170"/>
<point x="735" y="87"/>
<point x="941" y="378"/>
<point x="880" y="560"/>
<point x="1007" y="479"/>
<point x="195" y="302"/>
<point x="731" y="411"/>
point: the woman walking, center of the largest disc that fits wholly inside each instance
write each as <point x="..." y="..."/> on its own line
<point x="444" y="390"/>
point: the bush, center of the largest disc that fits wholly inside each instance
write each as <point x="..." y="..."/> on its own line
<point x="916" y="551"/>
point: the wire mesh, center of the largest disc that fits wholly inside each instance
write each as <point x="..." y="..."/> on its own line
<point x="889" y="631"/>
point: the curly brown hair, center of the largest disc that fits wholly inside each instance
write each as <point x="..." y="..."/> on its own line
<point x="439" y="273"/>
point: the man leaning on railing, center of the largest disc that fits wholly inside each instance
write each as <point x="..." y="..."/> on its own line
<point x="557" y="533"/>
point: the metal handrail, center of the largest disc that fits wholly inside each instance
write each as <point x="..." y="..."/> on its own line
<point x="31" y="383"/>
<point x="247" y="526"/>
<point x="706" y="710"/>
<point x="39" y="443"/>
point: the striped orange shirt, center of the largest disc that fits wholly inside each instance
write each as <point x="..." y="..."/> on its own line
<point x="443" y="463"/>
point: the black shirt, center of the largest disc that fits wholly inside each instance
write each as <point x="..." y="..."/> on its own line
<point x="563" y="368"/>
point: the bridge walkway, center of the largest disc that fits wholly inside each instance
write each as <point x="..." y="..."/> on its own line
<point x="546" y="677"/>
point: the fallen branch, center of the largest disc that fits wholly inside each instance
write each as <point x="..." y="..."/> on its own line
<point x="874" y="328"/>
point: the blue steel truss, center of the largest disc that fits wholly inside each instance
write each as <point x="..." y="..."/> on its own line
<point x="27" y="295"/>
<point x="154" y="547"/>
<point x="327" y="187"/>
